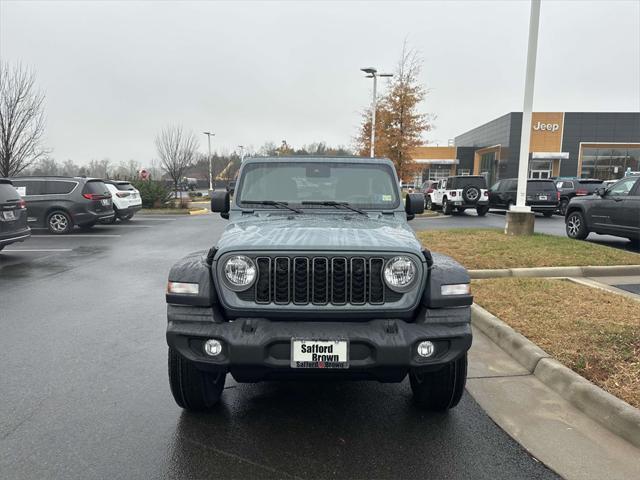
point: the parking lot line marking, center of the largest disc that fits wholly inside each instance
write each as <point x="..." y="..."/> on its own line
<point x="88" y="235"/>
<point x="40" y="250"/>
<point x="133" y="226"/>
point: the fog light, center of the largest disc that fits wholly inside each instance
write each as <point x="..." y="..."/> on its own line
<point x="426" y="348"/>
<point x="213" y="347"/>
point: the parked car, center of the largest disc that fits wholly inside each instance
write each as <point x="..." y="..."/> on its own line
<point x="427" y="187"/>
<point x="542" y="195"/>
<point x="613" y="210"/>
<point x="336" y="287"/>
<point x="59" y="203"/>
<point x="460" y="192"/>
<point x="126" y="200"/>
<point x="13" y="215"/>
<point x="575" y="187"/>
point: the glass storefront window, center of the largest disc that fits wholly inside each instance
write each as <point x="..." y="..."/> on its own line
<point x="609" y="163"/>
<point x="488" y="166"/>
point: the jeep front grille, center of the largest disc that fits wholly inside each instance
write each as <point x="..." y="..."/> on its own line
<point x="320" y="280"/>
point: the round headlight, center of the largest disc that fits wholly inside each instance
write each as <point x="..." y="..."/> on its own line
<point x="400" y="273"/>
<point x="240" y="272"/>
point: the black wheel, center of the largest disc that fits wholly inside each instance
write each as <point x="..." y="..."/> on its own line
<point x="442" y="389"/>
<point x="428" y="204"/>
<point x="576" y="226"/>
<point x="59" y="222"/>
<point x="193" y="389"/>
<point x="87" y="226"/>
<point x="111" y="220"/>
<point x="563" y="206"/>
<point x="482" y="211"/>
<point x="547" y="214"/>
<point x="446" y="207"/>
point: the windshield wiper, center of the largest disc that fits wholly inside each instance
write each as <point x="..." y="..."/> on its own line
<point x="273" y="203"/>
<point x="331" y="203"/>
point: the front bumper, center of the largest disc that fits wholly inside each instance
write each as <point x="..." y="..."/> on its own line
<point x="260" y="349"/>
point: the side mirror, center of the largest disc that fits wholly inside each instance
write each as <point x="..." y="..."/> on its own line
<point x="600" y="191"/>
<point x="413" y="204"/>
<point x="220" y="203"/>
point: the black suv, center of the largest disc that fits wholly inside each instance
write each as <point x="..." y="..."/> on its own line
<point x="542" y="195"/>
<point x="575" y="187"/>
<point x="13" y="215"/>
<point x="612" y="211"/>
<point x="59" y="203"/>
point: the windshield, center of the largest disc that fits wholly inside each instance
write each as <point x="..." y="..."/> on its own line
<point x="363" y="185"/>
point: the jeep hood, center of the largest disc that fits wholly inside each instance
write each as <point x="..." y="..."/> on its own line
<point x="319" y="232"/>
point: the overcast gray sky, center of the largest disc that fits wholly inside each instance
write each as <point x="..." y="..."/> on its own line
<point x="116" y="72"/>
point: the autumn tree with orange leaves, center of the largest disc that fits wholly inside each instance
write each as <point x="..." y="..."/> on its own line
<point x="400" y="126"/>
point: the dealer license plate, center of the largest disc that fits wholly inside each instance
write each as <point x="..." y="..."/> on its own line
<point x="542" y="197"/>
<point x="8" y="216"/>
<point x="319" y="353"/>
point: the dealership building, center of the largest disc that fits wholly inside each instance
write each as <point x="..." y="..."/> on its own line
<point x="563" y="144"/>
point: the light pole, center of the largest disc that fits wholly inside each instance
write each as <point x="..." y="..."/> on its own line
<point x="209" y="135"/>
<point x="241" y="147"/>
<point x="520" y="219"/>
<point x="373" y="73"/>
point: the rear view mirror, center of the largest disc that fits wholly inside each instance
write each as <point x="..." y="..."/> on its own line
<point x="220" y="203"/>
<point x="600" y="191"/>
<point x="413" y="204"/>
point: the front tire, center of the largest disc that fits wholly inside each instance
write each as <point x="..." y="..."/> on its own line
<point x="575" y="226"/>
<point x="442" y="389"/>
<point x="193" y="389"/>
<point x="429" y="204"/>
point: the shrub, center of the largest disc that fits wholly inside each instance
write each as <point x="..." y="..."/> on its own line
<point x="154" y="194"/>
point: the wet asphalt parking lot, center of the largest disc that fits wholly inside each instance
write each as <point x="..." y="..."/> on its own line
<point x="84" y="391"/>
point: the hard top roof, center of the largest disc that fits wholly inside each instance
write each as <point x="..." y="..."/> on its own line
<point x="319" y="158"/>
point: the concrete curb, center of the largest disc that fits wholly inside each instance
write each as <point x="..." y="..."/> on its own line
<point x="607" y="288"/>
<point x="611" y="412"/>
<point x="586" y="271"/>
<point x="527" y="353"/>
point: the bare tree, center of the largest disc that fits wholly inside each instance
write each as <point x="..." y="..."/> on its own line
<point x="22" y="120"/>
<point x="400" y="125"/>
<point x="177" y="151"/>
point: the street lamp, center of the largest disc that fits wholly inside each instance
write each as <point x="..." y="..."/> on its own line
<point x="373" y="73"/>
<point x="209" y="135"/>
<point x="241" y="147"/>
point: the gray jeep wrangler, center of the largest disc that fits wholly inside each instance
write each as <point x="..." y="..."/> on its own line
<point x="318" y="276"/>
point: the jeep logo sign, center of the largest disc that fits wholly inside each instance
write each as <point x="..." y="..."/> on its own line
<point x="551" y="127"/>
